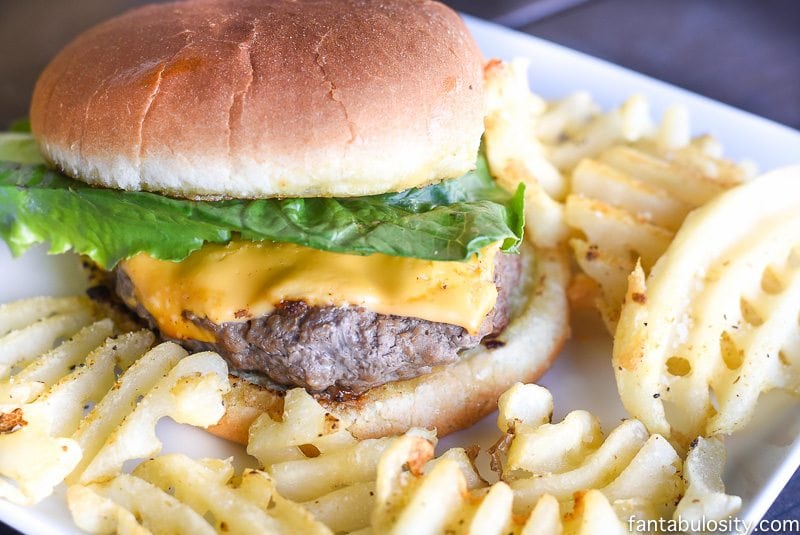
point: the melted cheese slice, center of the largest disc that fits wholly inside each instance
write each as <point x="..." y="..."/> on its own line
<point x="244" y="280"/>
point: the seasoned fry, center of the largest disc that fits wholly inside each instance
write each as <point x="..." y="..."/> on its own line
<point x="175" y="494"/>
<point x="717" y="315"/>
<point x="637" y="473"/>
<point x="615" y="184"/>
<point x="516" y="155"/>
<point x="555" y="478"/>
<point x="190" y="393"/>
<point x="312" y="458"/>
<point x="21" y="345"/>
<point x="622" y="234"/>
<point x="80" y="408"/>
<point x="595" y="179"/>
<point x="128" y="504"/>
<point x="305" y="423"/>
<point x="705" y="493"/>
<point x="45" y="371"/>
<point x="204" y="486"/>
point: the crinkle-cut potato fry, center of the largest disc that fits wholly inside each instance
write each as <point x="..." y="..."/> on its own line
<point x="139" y="378"/>
<point x="61" y="407"/>
<point x="714" y="325"/>
<point x="681" y="176"/>
<point x="595" y="179"/>
<point x="305" y="423"/>
<point x="593" y="515"/>
<point x="207" y="487"/>
<point x="616" y="231"/>
<point x="73" y="399"/>
<point x="511" y="112"/>
<point x="19" y="314"/>
<point x="629" y="122"/>
<point x="573" y="482"/>
<point x="598" y="470"/>
<point x="344" y="510"/>
<point x="555" y="447"/>
<point x="20" y="346"/>
<point x="638" y="473"/>
<point x="516" y="155"/>
<point x="350" y="508"/>
<point x="33" y="463"/>
<point x="525" y="405"/>
<point x="615" y="183"/>
<point x="45" y="371"/>
<point x="258" y="487"/>
<point x="190" y="393"/>
<point x="705" y="496"/>
<point x="54" y="416"/>
<point x="409" y="500"/>
<point x="565" y="115"/>
<point x="176" y="494"/>
<point x="628" y="202"/>
<point x="314" y="459"/>
<point x="306" y="479"/>
<point x="130" y="505"/>
<point x="609" y="271"/>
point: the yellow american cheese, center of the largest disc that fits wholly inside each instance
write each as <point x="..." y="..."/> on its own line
<point x="244" y="280"/>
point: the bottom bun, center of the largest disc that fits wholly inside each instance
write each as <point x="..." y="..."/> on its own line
<point x="450" y="397"/>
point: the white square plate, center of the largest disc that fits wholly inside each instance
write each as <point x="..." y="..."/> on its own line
<point x="761" y="459"/>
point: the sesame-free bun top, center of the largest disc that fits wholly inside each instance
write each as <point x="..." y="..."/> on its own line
<point x="261" y="98"/>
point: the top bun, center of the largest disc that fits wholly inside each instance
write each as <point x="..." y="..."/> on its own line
<point x="262" y="98"/>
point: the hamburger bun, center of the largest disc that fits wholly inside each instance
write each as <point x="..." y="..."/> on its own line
<point x="201" y="99"/>
<point x="250" y="99"/>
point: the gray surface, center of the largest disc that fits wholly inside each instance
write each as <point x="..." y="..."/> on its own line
<point x="742" y="52"/>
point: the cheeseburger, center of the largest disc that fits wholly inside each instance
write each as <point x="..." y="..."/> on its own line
<point x="300" y="187"/>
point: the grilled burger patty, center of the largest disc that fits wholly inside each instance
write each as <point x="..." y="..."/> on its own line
<point x="341" y="350"/>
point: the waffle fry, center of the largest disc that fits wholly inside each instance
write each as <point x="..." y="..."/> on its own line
<point x="715" y="323"/>
<point x="69" y="415"/>
<point x="637" y="472"/>
<point x="176" y="494"/>
<point x="272" y="441"/>
<point x="614" y="185"/>
<point x="705" y="493"/>
<point x="516" y="155"/>
<point x="128" y="505"/>
<point x="317" y="478"/>
<point x="629" y="200"/>
<point x="563" y="478"/>
<point x="313" y="459"/>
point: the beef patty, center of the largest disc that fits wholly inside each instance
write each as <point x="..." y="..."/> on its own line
<point x="341" y="350"/>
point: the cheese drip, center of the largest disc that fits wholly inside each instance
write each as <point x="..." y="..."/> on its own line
<point x="244" y="280"/>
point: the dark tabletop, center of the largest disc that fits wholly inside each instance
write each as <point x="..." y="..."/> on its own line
<point x="742" y="52"/>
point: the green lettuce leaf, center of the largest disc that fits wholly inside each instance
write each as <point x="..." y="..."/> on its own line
<point x="20" y="125"/>
<point x="451" y="220"/>
<point x="20" y="147"/>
